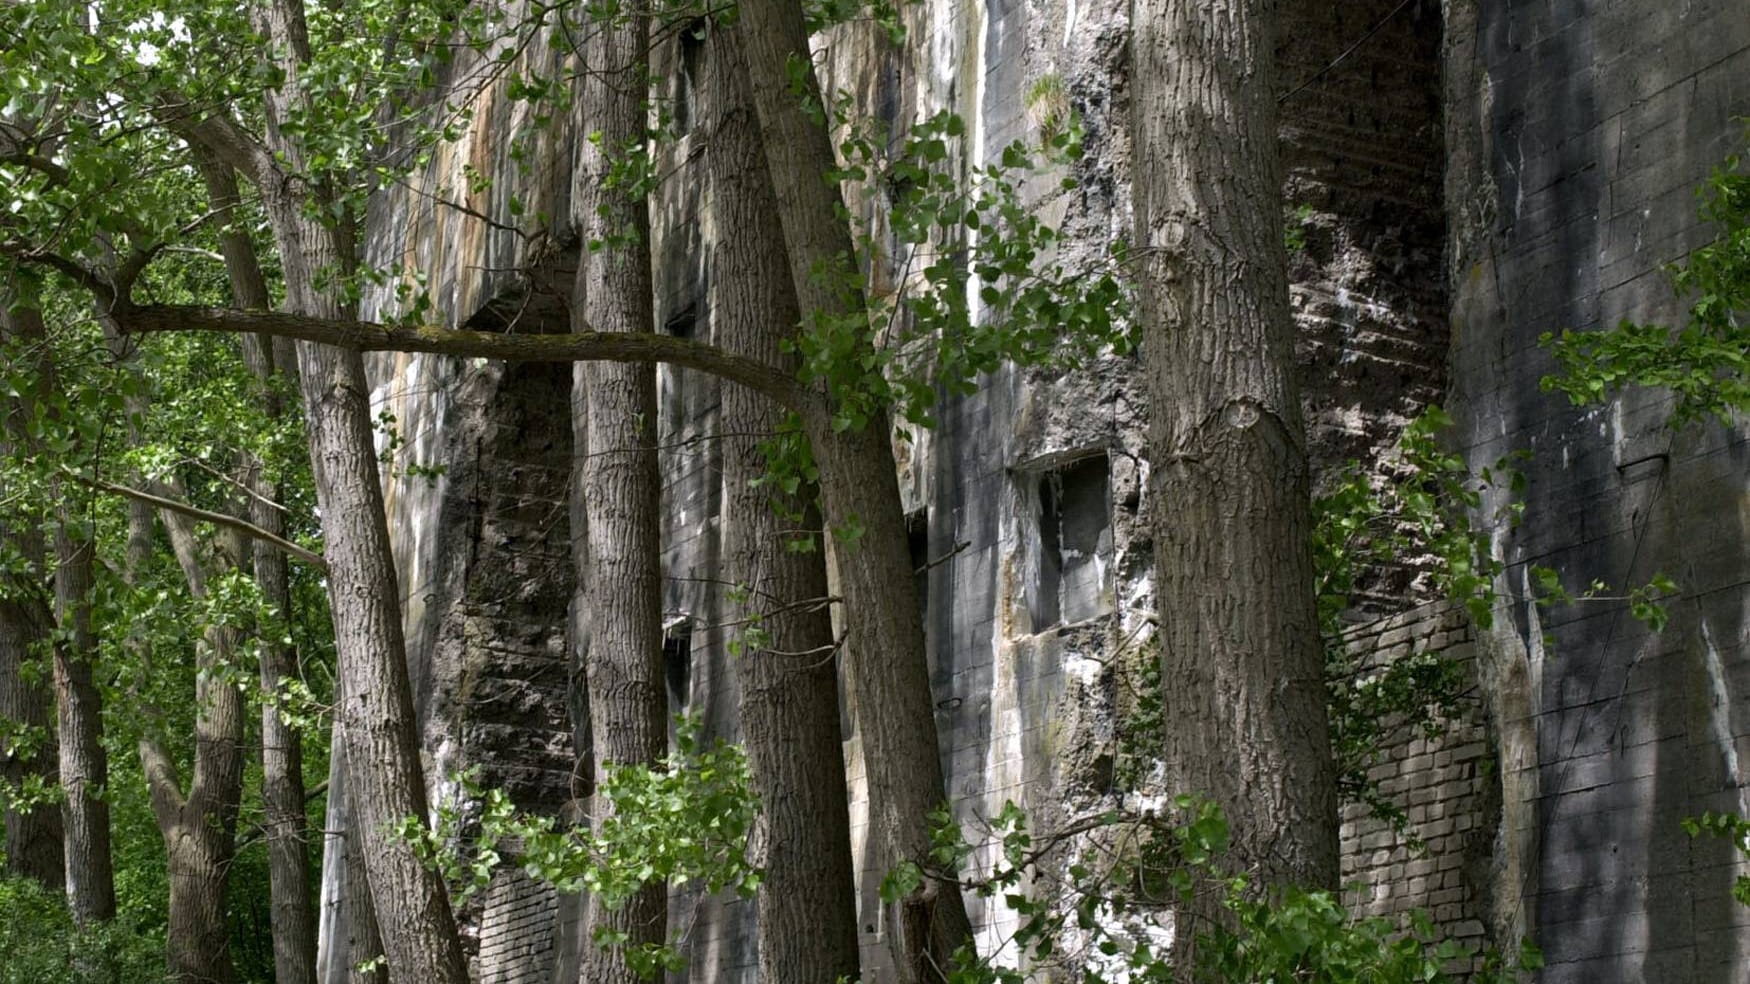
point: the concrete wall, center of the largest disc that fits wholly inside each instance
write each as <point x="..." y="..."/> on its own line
<point x="1472" y="174"/>
<point x="1578" y="133"/>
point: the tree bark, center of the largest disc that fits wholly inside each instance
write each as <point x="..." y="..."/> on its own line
<point x="33" y="836"/>
<point x="284" y="823"/>
<point x="79" y="726"/>
<point x="363" y="336"/>
<point x="621" y="576"/>
<point x="199" y="827"/>
<point x="83" y="764"/>
<point x="376" y="721"/>
<point x="884" y="650"/>
<point x="197" y="942"/>
<point x="807" y="910"/>
<point x="1246" y="720"/>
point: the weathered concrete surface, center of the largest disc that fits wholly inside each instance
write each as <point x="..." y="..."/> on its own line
<point x="1569" y="135"/>
<point x="1578" y="133"/>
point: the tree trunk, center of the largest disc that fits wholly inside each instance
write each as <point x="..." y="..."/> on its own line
<point x="79" y="724"/>
<point x="282" y="752"/>
<point x="33" y="836"/>
<point x="376" y="721"/>
<point x="884" y="650"/>
<point x="621" y="569"/>
<point x="1242" y="668"/>
<point x="807" y="916"/>
<point x="282" y="768"/>
<point x="83" y="764"/>
<point x="200" y="827"/>
<point x="196" y="939"/>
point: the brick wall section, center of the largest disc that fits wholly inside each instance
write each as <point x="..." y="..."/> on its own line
<point x="1446" y="785"/>
<point x="516" y="931"/>
<point x="1575" y="131"/>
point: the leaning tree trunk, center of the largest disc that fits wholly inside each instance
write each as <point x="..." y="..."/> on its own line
<point x="376" y="721"/>
<point x="1242" y="670"/>
<point x="621" y="563"/>
<point x="283" y="822"/>
<point x="884" y="648"/>
<point x="807" y="915"/>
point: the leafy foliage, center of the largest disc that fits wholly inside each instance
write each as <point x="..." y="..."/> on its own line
<point x="1704" y="362"/>
<point x="687" y="820"/>
<point x="41" y="943"/>
<point x="1093" y="900"/>
<point x="1729" y="826"/>
<point x="1424" y="508"/>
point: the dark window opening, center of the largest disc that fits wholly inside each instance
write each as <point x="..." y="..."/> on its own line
<point x="677" y="667"/>
<point x="1075" y="544"/>
<point x="692" y="52"/>
<point x="917" y="538"/>
<point x="675" y="402"/>
<point x="682" y="324"/>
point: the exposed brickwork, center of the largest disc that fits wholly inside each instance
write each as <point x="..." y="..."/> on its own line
<point x="1574" y="133"/>
<point x="516" y="931"/>
<point x="1362" y="155"/>
<point x="1447" y="786"/>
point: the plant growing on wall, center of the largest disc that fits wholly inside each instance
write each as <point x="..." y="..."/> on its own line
<point x="1705" y="363"/>
<point x="1091" y="900"/>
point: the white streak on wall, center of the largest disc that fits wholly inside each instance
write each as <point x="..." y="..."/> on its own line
<point x="1720" y="714"/>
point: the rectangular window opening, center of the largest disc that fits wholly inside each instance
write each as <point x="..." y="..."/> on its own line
<point x="677" y="667"/>
<point x="1075" y="544"/>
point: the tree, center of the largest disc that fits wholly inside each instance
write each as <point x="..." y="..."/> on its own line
<point x="786" y="677"/>
<point x="282" y="761"/>
<point x="619" y="553"/>
<point x="1244" y="698"/>
<point x="841" y="403"/>
<point x="138" y="82"/>
<point x="84" y="763"/>
<point x="28" y="758"/>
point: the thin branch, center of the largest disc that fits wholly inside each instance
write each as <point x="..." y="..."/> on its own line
<point x="194" y="512"/>
<point x="72" y="269"/>
<point x="258" y="831"/>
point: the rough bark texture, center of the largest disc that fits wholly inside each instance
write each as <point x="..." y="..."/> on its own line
<point x="282" y="752"/>
<point x="621" y="580"/>
<point x="807" y="917"/>
<point x="579" y="346"/>
<point x="884" y="651"/>
<point x="376" y="722"/>
<point x="79" y="723"/>
<point x="1245" y="701"/>
<point x="33" y="836"/>
<point x="83" y="764"/>
<point x="199" y="826"/>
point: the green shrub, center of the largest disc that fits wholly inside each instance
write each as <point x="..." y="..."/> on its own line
<point x="41" y="944"/>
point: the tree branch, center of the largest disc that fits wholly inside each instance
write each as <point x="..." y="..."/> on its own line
<point x="582" y="346"/>
<point x="163" y="784"/>
<point x="194" y="512"/>
<point x="221" y="135"/>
